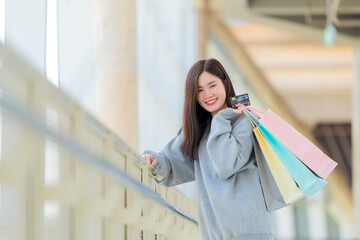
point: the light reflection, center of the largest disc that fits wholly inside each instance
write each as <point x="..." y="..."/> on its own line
<point x="51" y="210"/>
<point x="52" y="163"/>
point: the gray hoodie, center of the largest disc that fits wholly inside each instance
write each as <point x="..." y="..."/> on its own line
<point x="230" y="201"/>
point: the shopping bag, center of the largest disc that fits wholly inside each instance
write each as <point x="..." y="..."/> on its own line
<point x="272" y="195"/>
<point x="287" y="187"/>
<point x="307" y="181"/>
<point x="299" y="145"/>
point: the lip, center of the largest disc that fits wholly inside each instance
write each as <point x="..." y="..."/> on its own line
<point x="212" y="103"/>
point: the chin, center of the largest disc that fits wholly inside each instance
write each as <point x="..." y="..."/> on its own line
<point x="212" y="109"/>
<point x="215" y="110"/>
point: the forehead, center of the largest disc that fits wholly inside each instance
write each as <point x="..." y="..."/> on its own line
<point x="206" y="78"/>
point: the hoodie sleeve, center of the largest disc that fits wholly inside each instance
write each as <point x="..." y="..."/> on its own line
<point x="229" y="145"/>
<point x="172" y="168"/>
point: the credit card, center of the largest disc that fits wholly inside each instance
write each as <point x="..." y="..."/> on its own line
<point x="243" y="99"/>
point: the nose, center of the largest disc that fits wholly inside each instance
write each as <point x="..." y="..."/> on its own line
<point x="208" y="93"/>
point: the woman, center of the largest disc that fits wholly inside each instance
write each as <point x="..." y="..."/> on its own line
<point x="214" y="148"/>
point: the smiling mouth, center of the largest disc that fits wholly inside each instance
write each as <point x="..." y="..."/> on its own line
<point x="211" y="102"/>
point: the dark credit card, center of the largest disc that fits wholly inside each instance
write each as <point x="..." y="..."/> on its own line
<point x="243" y="99"/>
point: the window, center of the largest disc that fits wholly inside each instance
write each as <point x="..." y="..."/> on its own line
<point x="52" y="43"/>
<point x="301" y="220"/>
<point x="333" y="228"/>
<point x="51" y="152"/>
<point x="2" y="20"/>
<point x="2" y="24"/>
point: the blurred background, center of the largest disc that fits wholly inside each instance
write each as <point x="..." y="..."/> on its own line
<point x="110" y="74"/>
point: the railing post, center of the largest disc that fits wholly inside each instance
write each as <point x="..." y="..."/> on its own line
<point x="35" y="172"/>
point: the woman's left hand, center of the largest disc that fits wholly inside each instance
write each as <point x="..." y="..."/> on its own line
<point x="238" y="110"/>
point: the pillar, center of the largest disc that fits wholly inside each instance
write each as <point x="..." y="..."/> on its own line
<point x="316" y="213"/>
<point x="115" y="67"/>
<point x="203" y="11"/>
<point x="356" y="139"/>
<point x="284" y="223"/>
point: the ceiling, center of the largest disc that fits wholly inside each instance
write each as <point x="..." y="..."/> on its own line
<point x="315" y="81"/>
<point x="301" y="16"/>
<point x="285" y="40"/>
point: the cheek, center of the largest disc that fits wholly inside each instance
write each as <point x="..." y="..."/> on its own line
<point x="220" y="92"/>
<point x="200" y="97"/>
<point x="224" y="92"/>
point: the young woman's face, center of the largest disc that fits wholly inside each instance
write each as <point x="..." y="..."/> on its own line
<point x="211" y="94"/>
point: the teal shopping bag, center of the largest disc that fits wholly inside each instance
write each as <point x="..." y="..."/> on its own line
<point x="307" y="181"/>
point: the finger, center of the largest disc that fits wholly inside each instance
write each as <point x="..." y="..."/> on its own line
<point x="147" y="158"/>
<point x="240" y="104"/>
<point x="153" y="161"/>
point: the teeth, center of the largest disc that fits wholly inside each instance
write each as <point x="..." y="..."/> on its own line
<point x="212" y="101"/>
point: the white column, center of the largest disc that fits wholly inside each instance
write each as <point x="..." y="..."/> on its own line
<point x="116" y="70"/>
<point x="25" y="30"/>
<point x="347" y="228"/>
<point x="316" y="212"/>
<point x="203" y="11"/>
<point x="356" y="139"/>
<point x="285" y="223"/>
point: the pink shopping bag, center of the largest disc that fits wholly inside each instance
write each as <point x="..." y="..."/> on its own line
<point x="299" y="145"/>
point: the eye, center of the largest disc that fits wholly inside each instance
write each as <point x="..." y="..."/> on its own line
<point x="200" y="90"/>
<point x="212" y="85"/>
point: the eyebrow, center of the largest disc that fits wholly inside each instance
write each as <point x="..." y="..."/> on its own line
<point x="208" y="83"/>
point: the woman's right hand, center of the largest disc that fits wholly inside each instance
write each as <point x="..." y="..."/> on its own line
<point x="150" y="159"/>
<point x="238" y="110"/>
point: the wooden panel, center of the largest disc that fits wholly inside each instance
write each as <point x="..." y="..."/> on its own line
<point x="317" y="79"/>
<point x="251" y="33"/>
<point x="300" y="55"/>
<point x="307" y="75"/>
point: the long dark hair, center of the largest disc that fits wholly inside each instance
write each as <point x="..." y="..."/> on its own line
<point x="196" y="120"/>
